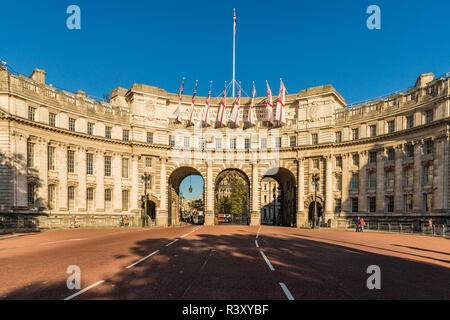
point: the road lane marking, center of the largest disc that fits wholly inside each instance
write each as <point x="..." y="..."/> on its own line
<point x="144" y="258"/>
<point x="267" y="261"/>
<point x="286" y="291"/>
<point x="256" y="242"/>
<point x="257" y="234"/>
<point x="172" y="242"/>
<point x="84" y="290"/>
<point x="45" y="243"/>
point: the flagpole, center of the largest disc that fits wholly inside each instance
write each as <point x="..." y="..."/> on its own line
<point x="234" y="48"/>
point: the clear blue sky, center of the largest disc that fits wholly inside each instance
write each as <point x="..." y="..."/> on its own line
<point x="307" y="43"/>
<point x="197" y="187"/>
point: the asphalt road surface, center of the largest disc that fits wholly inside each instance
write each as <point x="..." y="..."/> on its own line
<point x="223" y="262"/>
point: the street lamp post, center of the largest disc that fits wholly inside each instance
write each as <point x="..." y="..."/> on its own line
<point x="145" y="178"/>
<point x="316" y="182"/>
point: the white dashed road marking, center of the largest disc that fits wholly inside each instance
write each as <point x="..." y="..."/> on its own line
<point x="286" y="291"/>
<point x="267" y="261"/>
<point x="144" y="258"/>
<point x="84" y="290"/>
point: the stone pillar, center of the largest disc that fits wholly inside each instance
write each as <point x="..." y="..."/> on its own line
<point x="301" y="215"/>
<point x="61" y="159"/>
<point x="380" y="201"/>
<point x="362" y="184"/>
<point x="209" y="215"/>
<point x="328" y="214"/>
<point x="439" y="175"/>
<point x="41" y="163"/>
<point x="255" y="219"/>
<point x="345" y="201"/>
<point x="134" y="199"/>
<point x="162" y="214"/>
<point x="80" y="169"/>
<point x="117" y="177"/>
<point x="398" y="191"/>
<point x="99" y="168"/>
<point x="417" y="180"/>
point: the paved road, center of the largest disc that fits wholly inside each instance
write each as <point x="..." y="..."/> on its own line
<point x="223" y="262"/>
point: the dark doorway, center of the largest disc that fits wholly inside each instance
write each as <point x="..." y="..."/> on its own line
<point x="311" y="211"/>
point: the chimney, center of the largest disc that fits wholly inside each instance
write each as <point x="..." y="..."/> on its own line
<point x="38" y="75"/>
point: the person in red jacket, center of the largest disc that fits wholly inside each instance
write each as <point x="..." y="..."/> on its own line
<point x="362" y="223"/>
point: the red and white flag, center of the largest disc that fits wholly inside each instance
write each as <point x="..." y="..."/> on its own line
<point x="205" y="117"/>
<point x="281" y="112"/>
<point x="234" y="117"/>
<point x="221" y="114"/>
<point x="191" y="120"/>
<point x="177" y="112"/>
<point x="251" y="110"/>
<point x="269" y="107"/>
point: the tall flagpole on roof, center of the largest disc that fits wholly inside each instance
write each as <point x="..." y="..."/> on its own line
<point x="234" y="49"/>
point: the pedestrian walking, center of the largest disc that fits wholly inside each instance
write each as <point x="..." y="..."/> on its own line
<point x="125" y="221"/>
<point x="357" y="222"/>
<point x="362" y="223"/>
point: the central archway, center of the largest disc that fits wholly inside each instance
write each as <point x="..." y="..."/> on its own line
<point x="175" y="199"/>
<point x="232" y="197"/>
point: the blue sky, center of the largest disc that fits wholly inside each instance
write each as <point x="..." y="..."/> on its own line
<point x="197" y="187"/>
<point x="307" y="43"/>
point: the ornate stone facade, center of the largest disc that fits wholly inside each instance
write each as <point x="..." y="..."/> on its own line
<point x="66" y="158"/>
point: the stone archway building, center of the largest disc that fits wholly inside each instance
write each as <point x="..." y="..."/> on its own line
<point x="66" y="156"/>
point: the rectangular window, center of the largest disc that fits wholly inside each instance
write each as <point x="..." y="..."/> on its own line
<point x="429" y="116"/>
<point x="187" y="142"/>
<point x="390" y="179"/>
<point x="263" y="143"/>
<point x="354" y="205"/>
<point x="51" y="158"/>
<point x="337" y="205"/>
<point x="390" y="154"/>
<point x="90" y="199"/>
<point x="409" y="151"/>
<point x="373" y="130"/>
<point x="408" y="203"/>
<point x="218" y="142"/>
<point x="278" y="142"/>
<point x="51" y="196"/>
<point x="148" y="162"/>
<point x="108" y="132"/>
<point x="149" y="137"/>
<point x="71" y="198"/>
<point x="390" y="204"/>
<point x="107" y="166"/>
<point x="372" y="157"/>
<point x="293" y="141"/>
<point x="108" y="199"/>
<point x="126" y="135"/>
<point x="408" y="176"/>
<point x="30" y="154"/>
<point x="124" y="200"/>
<point x="338" y="162"/>
<point x="31" y="113"/>
<point x="338" y="136"/>
<point x="315" y="138"/>
<point x="31" y="195"/>
<point x="391" y="126"/>
<point x="52" y="119"/>
<point x="247" y="143"/>
<point x="233" y="143"/>
<point x="315" y="163"/>
<point x="372" y="180"/>
<point x="148" y="183"/>
<point x="427" y="201"/>
<point x="372" y="204"/>
<point x="90" y="128"/>
<point x="125" y="167"/>
<point x="89" y="163"/>
<point x="338" y="182"/>
<point x="172" y="141"/>
<point x="354" y="181"/>
<point x="355" y="134"/>
<point x="409" y="122"/>
<point x="356" y="160"/>
<point x="71" y="124"/>
<point x="428" y="174"/>
<point x="428" y="147"/>
<point x="71" y="161"/>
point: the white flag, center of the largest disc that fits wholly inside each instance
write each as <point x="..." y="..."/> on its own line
<point x="281" y="112"/>
<point x="251" y="111"/>
<point x="177" y="112"/>
<point x="221" y="114"/>
<point x="234" y="117"/>
<point x="191" y="120"/>
<point x="269" y="107"/>
<point x="205" y="117"/>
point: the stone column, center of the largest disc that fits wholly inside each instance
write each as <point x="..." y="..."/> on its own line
<point x="398" y="185"/>
<point x="61" y="159"/>
<point x="362" y="184"/>
<point x="41" y="163"/>
<point x="209" y="215"/>
<point x="256" y="212"/>
<point x="99" y="168"/>
<point x="417" y="180"/>
<point x="162" y="214"/>
<point x="134" y="201"/>
<point x="117" y="177"/>
<point x="301" y="215"/>
<point x="380" y="201"/>
<point x="439" y="175"/>
<point x="80" y="169"/>
<point x="328" y="214"/>
<point x="345" y="201"/>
